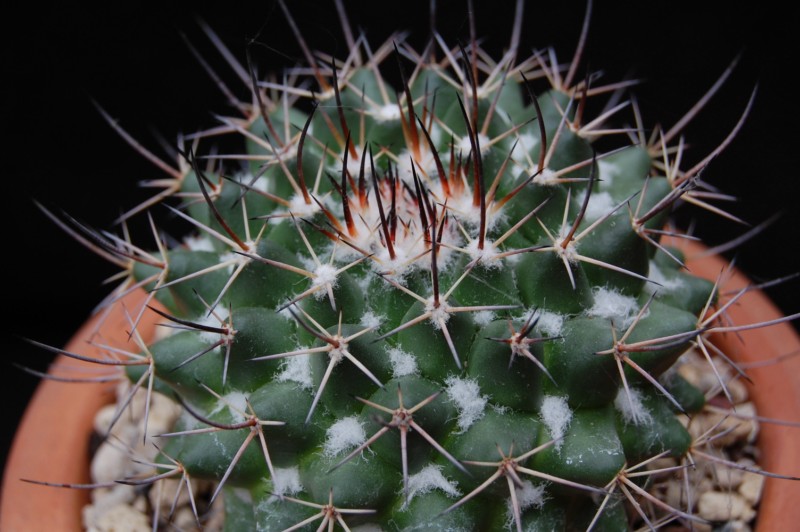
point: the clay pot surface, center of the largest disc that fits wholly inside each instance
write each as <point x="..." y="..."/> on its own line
<point x="53" y="438"/>
<point x="775" y="386"/>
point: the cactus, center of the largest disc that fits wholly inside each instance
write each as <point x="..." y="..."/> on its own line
<point x="446" y="305"/>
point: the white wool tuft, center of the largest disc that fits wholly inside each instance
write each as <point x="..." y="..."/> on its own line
<point x="657" y="276"/>
<point x="528" y="496"/>
<point x="632" y="408"/>
<point x="487" y="255"/>
<point x="199" y="243"/>
<point x="386" y="113"/>
<point x="235" y="402"/>
<point x="556" y="415"/>
<point x="370" y="320"/>
<point x="429" y="479"/>
<point x="612" y="305"/>
<point x="600" y="204"/>
<point x="402" y="363"/>
<point x="527" y="142"/>
<point x="344" y="435"/>
<point x="212" y="320"/>
<point x="287" y="481"/>
<point x="354" y="164"/>
<point x="232" y="260"/>
<point x="325" y="275"/>
<point x="483" y="317"/>
<point x="306" y="262"/>
<point x="549" y="323"/>
<point x="296" y="369"/>
<point x="465" y="146"/>
<point x="607" y="171"/>
<point x="546" y="177"/>
<point x="399" y="266"/>
<point x="261" y="183"/>
<point x="500" y="409"/>
<point x="425" y="164"/>
<point x="467" y="397"/>
<point x="301" y="209"/>
<point x="439" y="315"/>
<point x="286" y="311"/>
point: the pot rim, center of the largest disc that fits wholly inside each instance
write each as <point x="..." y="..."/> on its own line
<point x="43" y="450"/>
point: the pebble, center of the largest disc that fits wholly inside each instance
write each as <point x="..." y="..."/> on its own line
<point x="120" y="518"/>
<point x="735" y="526"/>
<point x="730" y="429"/>
<point x="722" y="506"/>
<point x="184" y="519"/>
<point x="724" y="495"/>
<point x="109" y="463"/>
<point x="120" y="508"/>
<point x="751" y="486"/>
<point x="727" y="478"/>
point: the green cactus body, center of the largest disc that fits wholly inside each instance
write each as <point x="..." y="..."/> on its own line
<point x="397" y="318"/>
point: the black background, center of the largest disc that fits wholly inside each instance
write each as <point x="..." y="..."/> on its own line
<point x="57" y="149"/>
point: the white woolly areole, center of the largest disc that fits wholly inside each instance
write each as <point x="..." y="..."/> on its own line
<point x="325" y="275"/>
<point x="198" y="243"/>
<point x="287" y="481"/>
<point x="466" y="394"/>
<point x="399" y="266"/>
<point x="549" y="323"/>
<point x="261" y="184"/>
<point x="212" y="320"/>
<point x="424" y="166"/>
<point x="344" y="435"/>
<point x="630" y="405"/>
<point x="285" y="310"/>
<point x="385" y="113"/>
<point x="427" y="480"/>
<point x="527" y="142"/>
<point x="487" y="255"/>
<point x="362" y="281"/>
<point x="600" y="204"/>
<point x="607" y="171"/>
<point x="556" y="416"/>
<point x="439" y="315"/>
<point x="370" y="320"/>
<point x="354" y="165"/>
<point x="402" y="363"/>
<point x="233" y="260"/>
<point x="483" y="317"/>
<point x="299" y="207"/>
<point x="462" y="206"/>
<point x="235" y="402"/>
<point x="306" y="262"/>
<point x="296" y="369"/>
<point x="570" y="252"/>
<point x="546" y="177"/>
<point x="528" y="496"/>
<point x="657" y="276"/>
<point x="612" y="305"/>
<point x="465" y="146"/>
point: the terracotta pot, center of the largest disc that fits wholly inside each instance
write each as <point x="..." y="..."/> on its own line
<point x="52" y="441"/>
<point x="775" y="387"/>
<point x="52" y="444"/>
